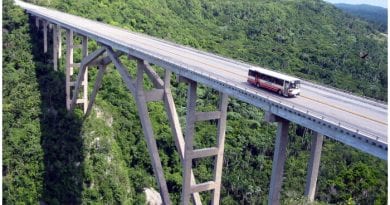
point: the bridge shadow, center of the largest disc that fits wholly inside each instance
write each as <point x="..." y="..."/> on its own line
<point x="61" y="139"/>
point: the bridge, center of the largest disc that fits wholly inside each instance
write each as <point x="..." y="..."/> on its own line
<point x="355" y="121"/>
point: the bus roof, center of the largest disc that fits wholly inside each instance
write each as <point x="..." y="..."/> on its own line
<point x="274" y="74"/>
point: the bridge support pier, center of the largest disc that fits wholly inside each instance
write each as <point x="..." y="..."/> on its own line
<point x="68" y="66"/>
<point x="314" y="165"/>
<point x="192" y="116"/>
<point x="59" y="48"/>
<point x="45" y="36"/>
<point x="37" y="22"/>
<point x="55" y="47"/>
<point x="162" y="92"/>
<point x="170" y="108"/>
<point x="279" y="158"/>
<point x="82" y="78"/>
<point x="140" y="98"/>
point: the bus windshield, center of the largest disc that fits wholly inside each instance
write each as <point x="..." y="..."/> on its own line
<point x="295" y="84"/>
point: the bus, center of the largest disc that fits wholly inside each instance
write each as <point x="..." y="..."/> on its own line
<point x="282" y="84"/>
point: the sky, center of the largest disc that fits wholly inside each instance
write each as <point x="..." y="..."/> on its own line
<point x="382" y="3"/>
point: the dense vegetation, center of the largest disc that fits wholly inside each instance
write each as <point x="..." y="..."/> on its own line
<point x="374" y="14"/>
<point x="60" y="158"/>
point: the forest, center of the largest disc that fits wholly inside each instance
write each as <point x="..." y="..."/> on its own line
<point x="375" y="14"/>
<point x="51" y="156"/>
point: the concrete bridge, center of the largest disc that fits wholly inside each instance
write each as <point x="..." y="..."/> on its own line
<point x="355" y="121"/>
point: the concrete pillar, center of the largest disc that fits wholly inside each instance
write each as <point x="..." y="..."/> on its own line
<point x="37" y="22"/>
<point x="59" y="41"/>
<point x="139" y="96"/>
<point x="218" y="164"/>
<point x="55" y="48"/>
<point x="314" y="165"/>
<point x="45" y="36"/>
<point x="189" y="134"/>
<point x="278" y="162"/>
<point x="174" y="122"/>
<point x="85" y="80"/>
<point x="69" y="66"/>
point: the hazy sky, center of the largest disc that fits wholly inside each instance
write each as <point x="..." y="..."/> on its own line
<point x="382" y="3"/>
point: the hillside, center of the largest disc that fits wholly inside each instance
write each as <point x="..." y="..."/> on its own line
<point x="375" y="14"/>
<point x="103" y="158"/>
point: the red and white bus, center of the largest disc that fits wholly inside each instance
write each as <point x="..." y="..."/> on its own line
<point x="282" y="84"/>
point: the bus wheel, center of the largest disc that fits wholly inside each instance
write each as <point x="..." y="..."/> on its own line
<point x="280" y="92"/>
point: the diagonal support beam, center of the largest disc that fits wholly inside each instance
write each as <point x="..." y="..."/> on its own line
<point x="121" y="69"/>
<point x="174" y="122"/>
<point x="87" y="60"/>
<point x="140" y="99"/>
<point x="81" y="75"/>
<point x="105" y="60"/>
<point x="153" y="76"/>
<point x="96" y="87"/>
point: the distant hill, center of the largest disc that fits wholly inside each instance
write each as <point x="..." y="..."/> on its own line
<point x="375" y="14"/>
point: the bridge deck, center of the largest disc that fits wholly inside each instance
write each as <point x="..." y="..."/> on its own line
<point x="356" y="121"/>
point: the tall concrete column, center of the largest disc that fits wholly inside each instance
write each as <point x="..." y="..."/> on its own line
<point x="147" y="127"/>
<point x="85" y="79"/>
<point x="55" y="48"/>
<point x="59" y="41"/>
<point x="37" y="22"/>
<point x="278" y="162"/>
<point x="69" y="66"/>
<point x="189" y="134"/>
<point x="314" y="165"/>
<point x="218" y="163"/>
<point x="45" y="36"/>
